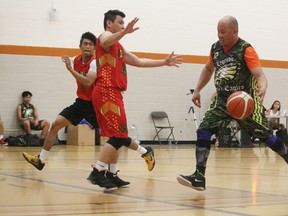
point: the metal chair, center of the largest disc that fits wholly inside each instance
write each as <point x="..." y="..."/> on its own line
<point x="161" y="122"/>
<point x="229" y="134"/>
<point x="235" y="133"/>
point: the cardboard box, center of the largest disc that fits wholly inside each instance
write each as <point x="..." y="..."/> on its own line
<point x="81" y="134"/>
<point x="103" y="140"/>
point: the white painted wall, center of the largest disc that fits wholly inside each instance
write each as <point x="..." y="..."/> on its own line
<point x="185" y="26"/>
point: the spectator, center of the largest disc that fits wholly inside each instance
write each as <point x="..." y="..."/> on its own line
<point x="274" y="123"/>
<point x="28" y="118"/>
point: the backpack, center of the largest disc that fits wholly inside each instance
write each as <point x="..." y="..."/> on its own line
<point x="24" y="140"/>
<point x="17" y="141"/>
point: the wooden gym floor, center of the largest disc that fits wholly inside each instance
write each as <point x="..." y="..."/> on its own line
<point x="240" y="181"/>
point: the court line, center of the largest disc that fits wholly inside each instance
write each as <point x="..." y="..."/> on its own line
<point x="171" y="203"/>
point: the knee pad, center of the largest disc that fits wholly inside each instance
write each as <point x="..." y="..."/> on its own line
<point x="203" y="134"/>
<point x="277" y="145"/>
<point x="117" y="143"/>
<point x="203" y="138"/>
<point x="271" y="140"/>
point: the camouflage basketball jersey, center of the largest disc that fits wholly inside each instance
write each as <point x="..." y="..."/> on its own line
<point x="231" y="71"/>
<point x="232" y="74"/>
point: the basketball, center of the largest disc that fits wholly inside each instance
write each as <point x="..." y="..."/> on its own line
<point x="240" y="105"/>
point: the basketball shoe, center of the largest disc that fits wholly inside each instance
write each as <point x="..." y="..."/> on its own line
<point x="149" y="158"/>
<point x="3" y="142"/>
<point x="34" y="160"/>
<point x="195" y="181"/>
<point x="99" y="178"/>
<point x="114" y="178"/>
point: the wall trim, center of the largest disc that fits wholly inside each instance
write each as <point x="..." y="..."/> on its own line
<point x="57" y="51"/>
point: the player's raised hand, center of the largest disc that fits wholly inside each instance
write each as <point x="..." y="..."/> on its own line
<point x="130" y="27"/>
<point x="67" y="61"/>
<point x="173" y="60"/>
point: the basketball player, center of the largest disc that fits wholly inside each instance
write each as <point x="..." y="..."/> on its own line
<point x="83" y="69"/>
<point x="107" y="97"/>
<point x="236" y="66"/>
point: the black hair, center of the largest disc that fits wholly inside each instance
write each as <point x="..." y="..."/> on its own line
<point x="272" y="107"/>
<point x="111" y="15"/>
<point x="26" y="93"/>
<point x="90" y="36"/>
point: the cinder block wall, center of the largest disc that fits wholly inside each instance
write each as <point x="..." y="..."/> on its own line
<point x="186" y="27"/>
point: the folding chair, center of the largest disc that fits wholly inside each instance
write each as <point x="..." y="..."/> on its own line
<point x="229" y="134"/>
<point x="161" y="122"/>
<point x="235" y="129"/>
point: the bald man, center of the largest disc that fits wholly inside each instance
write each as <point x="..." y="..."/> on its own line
<point x="235" y="66"/>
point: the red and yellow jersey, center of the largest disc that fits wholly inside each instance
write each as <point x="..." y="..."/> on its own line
<point x="83" y="92"/>
<point x="111" y="67"/>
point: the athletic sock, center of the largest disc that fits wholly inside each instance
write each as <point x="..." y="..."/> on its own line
<point x="101" y="165"/>
<point x="112" y="168"/>
<point x="141" y="150"/>
<point x="43" y="155"/>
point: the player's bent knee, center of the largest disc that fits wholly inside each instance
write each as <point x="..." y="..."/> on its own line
<point x="117" y="143"/>
<point x="203" y="138"/>
<point x="203" y="134"/>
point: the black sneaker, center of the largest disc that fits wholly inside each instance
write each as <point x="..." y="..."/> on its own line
<point x="195" y="181"/>
<point x="116" y="180"/>
<point x="99" y="178"/>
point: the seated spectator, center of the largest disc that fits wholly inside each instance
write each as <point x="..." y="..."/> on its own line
<point x="274" y="123"/>
<point x="28" y="117"/>
<point x="2" y="141"/>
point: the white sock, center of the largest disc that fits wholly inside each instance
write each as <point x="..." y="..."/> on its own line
<point x="43" y="155"/>
<point x="1" y="137"/>
<point x="101" y="165"/>
<point x="141" y="149"/>
<point x="112" y="168"/>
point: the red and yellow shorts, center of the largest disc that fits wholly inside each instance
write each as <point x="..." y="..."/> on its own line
<point x="109" y="107"/>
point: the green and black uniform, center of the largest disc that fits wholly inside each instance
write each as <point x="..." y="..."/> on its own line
<point x="28" y="112"/>
<point x="232" y="74"/>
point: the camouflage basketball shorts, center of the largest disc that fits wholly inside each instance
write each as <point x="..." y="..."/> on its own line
<point x="255" y="125"/>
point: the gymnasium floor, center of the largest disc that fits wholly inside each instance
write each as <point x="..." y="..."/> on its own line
<point x="240" y="181"/>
